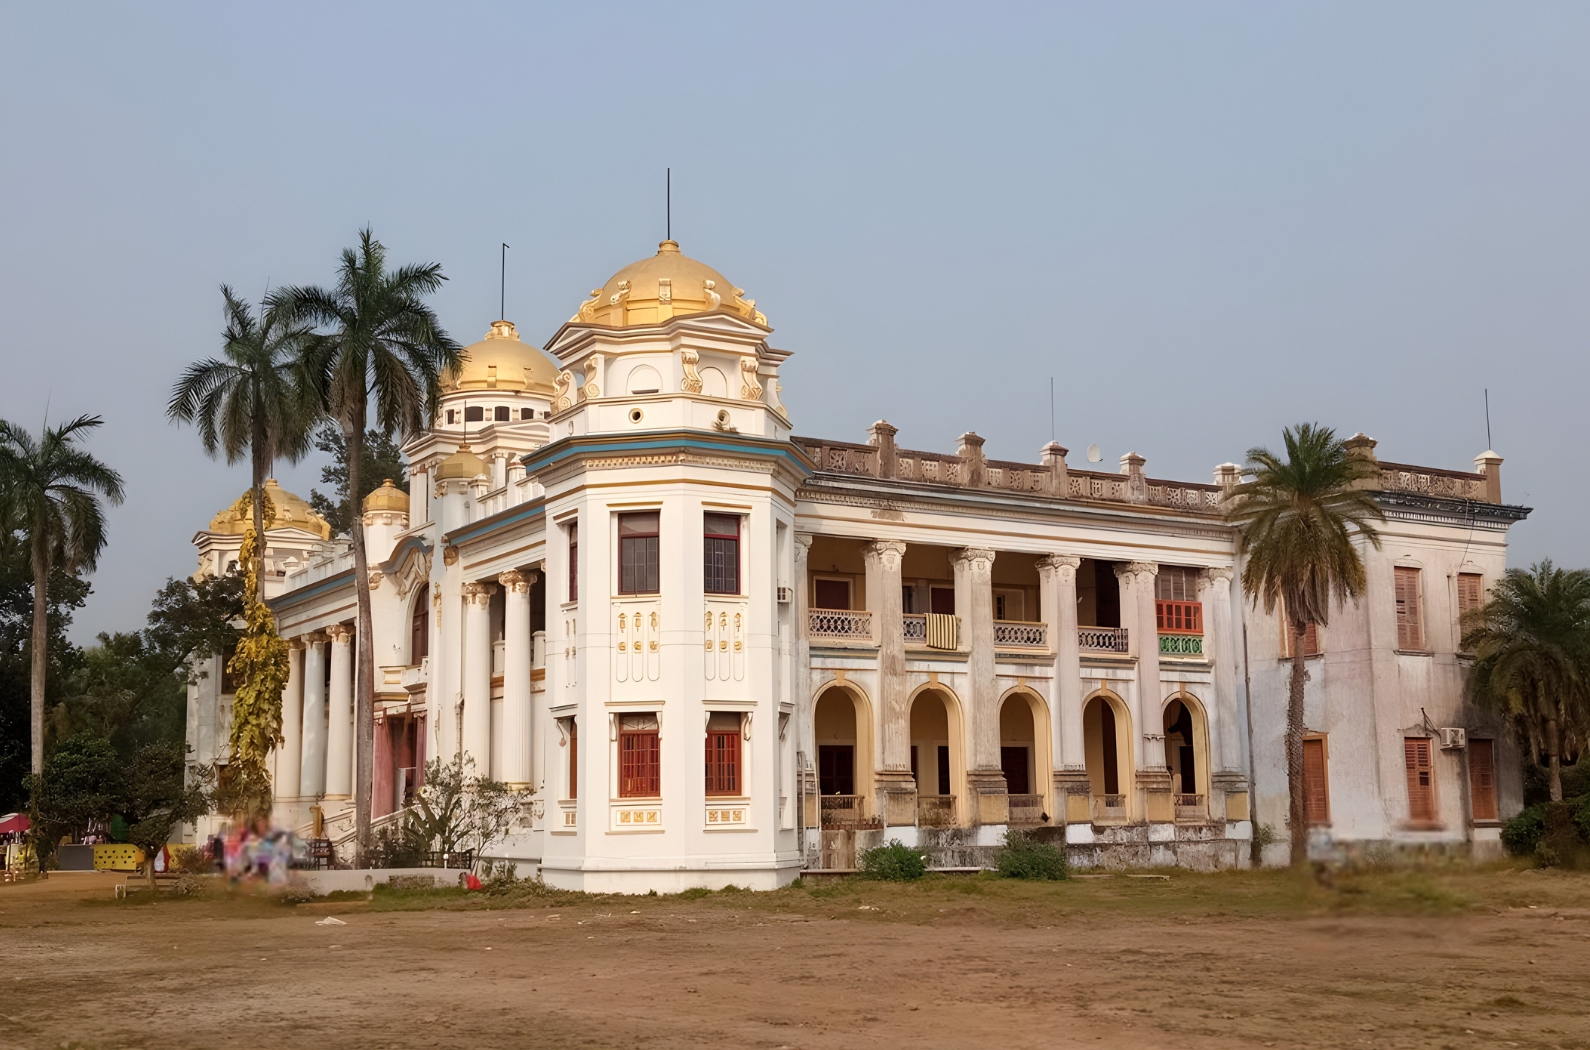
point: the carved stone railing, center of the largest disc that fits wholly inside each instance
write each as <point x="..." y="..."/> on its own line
<point x="1091" y="485"/>
<point x="1427" y="481"/>
<point x="933" y="468"/>
<point x="1190" y="807"/>
<point x="842" y="625"/>
<point x="841" y="457"/>
<point x="1204" y="498"/>
<point x="844" y="811"/>
<point x="1181" y="645"/>
<point x="935" y="811"/>
<point x="1102" y="639"/>
<point x="1027" y="809"/>
<point x="1109" y="807"/>
<point x="914" y="626"/>
<point x="1021" y="634"/>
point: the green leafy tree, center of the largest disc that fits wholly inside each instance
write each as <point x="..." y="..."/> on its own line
<point x="253" y="402"/>
<point x="1531" y="646"/>
<point x="81" y="785"/>
<point x="157" y="795"/>
<point x="1300" y="521"/>
<point x="454" y="811"/>
<point x="66" y="592"/>
<point x="383" y="459"/>
<point x="260" y="666"/>
<point x="52" y="491"/>
<point x="378" y="346"/>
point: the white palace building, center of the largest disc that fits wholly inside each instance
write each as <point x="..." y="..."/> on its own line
<point x="722" y="654"/>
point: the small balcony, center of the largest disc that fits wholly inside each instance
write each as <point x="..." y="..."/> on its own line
<point x="1027" y="809"/>
<point x="1102" y="639"/>
<point x="845" y="811"/>
<point x="935" y="811"/>
<point x="1181" y="627"/>
<point x="1021" y="634"/>
<point x="1109" y="809"/>
<point x="1191" y="808"/>
<point x="851" y="626"/>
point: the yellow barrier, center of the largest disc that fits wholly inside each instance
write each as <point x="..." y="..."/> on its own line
<point x="117" y="856"/>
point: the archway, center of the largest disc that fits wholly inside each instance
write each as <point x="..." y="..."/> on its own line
<point x="1025" y="755"/>
<point x="1107" y="741"/>
<point x="937" y="759"/>
<point x="843" y="729"/>
<point x="1187" y="753"/>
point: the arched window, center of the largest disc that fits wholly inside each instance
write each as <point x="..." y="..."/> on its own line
<point x="420" y="626"/>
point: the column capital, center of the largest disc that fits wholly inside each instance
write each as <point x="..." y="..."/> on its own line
<point x="1217" y="574"/>
<point x="297" y="643"/>
<point x="314" y="638"/>
<point x="803" y="540"/>
<point x="339" y="633"/>
<point x="515" y="582"/>
<point x="1065" y="564"/>
<point x="970" y="556"/>
<point x="478" y="593"/>
<point x="889" y="552"/>
<point x="1137" y="568"/>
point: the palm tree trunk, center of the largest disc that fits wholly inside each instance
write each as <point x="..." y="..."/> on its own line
<point x="41" y="643"/>
<point x="1297" y="808"/>
<point x="258" y="499"/>
<point x="364" y="654"/>
<point x="1553" y="760"/>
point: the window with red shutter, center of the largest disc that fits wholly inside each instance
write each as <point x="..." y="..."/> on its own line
<point x="639" y="757"/>
<point x="638" y="553"/>
<point x="574" y="561"/>
<point x="1421" y="779"/>
<point x="1316" y="785"/>
<point x="1310" y="637"/>
<point x="723" y="753"/>
<point x="721" y="556"/>
<point x="1482" y="779"/>
<point x="1470" y="592"/>
<point x="1410" y="626"/>
<point x="420" y="626"/>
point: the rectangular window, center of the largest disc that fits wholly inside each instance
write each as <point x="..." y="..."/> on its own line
<point x="1174" y="583"/>
<point x="574" y="561"/>
<point x="500" y="414"/>
<point x="639" y="757"/>
<point x="836" y="769"/>
<point x="527" y="413"/>
<point x="1010" y="604"/>
<point x="721" y="558"/>
<point x="1316" y="782"/>
<point x="420" y="627"/>
<point x="452" y="416"/>
<point x="474" y="414"/>
<point x="831" y="594"/>
<point x="723" y="753"/>
<point x="1410" y="627"/>
<point x="1013" y="762"/>
<point x="941" y="600"/>
<point x="1470" y="592"/>
<point x="1421" y="779"/>
<point x="1310" y="637"/>
<point x="1482" y="779"/>
<point x="574" y="759"/>
<point x="944" y="769"/>
<point x="638" y="561"/>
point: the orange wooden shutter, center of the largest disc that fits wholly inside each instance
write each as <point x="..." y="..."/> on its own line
<point x="1470" y="591"/>
<point x="1421" y="786"/>
<point x="1410" y="632"/>
<point x="1316" y="790"/>
<point x="1482" y="779"/>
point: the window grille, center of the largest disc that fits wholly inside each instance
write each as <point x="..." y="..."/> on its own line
<point x="1421" y="778"/>
<point x="723" y="753"/>
<point x="639" y="757"/>
<point x="1410" y="626"/>
<point x="638" y="553"/>
<point x="721" y="558"/>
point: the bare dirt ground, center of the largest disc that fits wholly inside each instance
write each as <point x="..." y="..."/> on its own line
<point x="1458" y="959"/>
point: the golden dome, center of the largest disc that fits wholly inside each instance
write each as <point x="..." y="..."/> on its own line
<point x="502" y="362"/>
<point x="288" y="511"/>
<point x="666" y="285"/>
<point x="387" y="498"/>
<point x="461" y="464"/>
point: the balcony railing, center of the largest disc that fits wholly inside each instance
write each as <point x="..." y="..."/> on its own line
<point x="935" y="811"/>
<point x="915" y="625"/>
<point x="1026" y="809"/>
<point x="1109" y="807"/>
<point x="844" y="811"/>
<point x="1179" y="617"/>
<point x="1181" y="644"/>
<point x="841" y="625"/>
<point x="1190" y="807"/>
<point x="1102" y="639"/>
<point x="1021" y="634"/>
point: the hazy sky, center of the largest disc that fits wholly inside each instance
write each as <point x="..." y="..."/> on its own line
<point x="1204" y="220"/>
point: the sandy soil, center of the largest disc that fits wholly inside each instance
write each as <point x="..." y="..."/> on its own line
<point x="1477" y="960"/>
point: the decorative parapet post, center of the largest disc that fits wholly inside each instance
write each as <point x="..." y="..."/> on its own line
<point x="1228" y="476"/>
<point x="1136" y="486"/>
<point x="1361" y="446"/>
<point x="1490" y="464"/>
<point x="1053" y="456"/>
<point x="974" y="469"/>
<point x="882" y="438"/>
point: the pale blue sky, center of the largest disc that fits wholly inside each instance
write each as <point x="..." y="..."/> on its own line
<point x="1204" y="220"/>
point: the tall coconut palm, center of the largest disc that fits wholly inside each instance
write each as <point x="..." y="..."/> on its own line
<point x="53" y="490"/>
<point x="253" y="402"/>
<point x="1531" y="646"/>
<point x="1301" y="520"/>
<point x="379" y="346"/>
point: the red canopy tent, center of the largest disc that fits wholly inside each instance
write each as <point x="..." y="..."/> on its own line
<point x="13" y="822"/>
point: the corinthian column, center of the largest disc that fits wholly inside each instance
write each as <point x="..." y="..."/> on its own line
<point x="477" y="675"/>
<point x="516" y="678"/>
<point x="1057" y="576"/>
<point x="339" y="727"/>
<point x="895" y="787"/>
<point x="313" y="781"/>
<point x="974" y="600"/>
<point x="290" y="755"/>
<point x="1214" y="589"/>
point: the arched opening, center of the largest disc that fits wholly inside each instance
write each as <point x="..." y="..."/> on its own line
<point x="844" y="756"/>
<point x="936" y="759"/>
<point x="420" y="626"/>
<point x="1187" y="755"/>
<point x="1024" y="756"/>
<point x="1107" y="740"/>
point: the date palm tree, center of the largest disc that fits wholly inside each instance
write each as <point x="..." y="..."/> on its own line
<point x="252" y="402"/>
<point x="1300" y="521"/>
<point x="378" y="347"/>
<point x="1531" y="646"/>
<point x="53" y="491"/>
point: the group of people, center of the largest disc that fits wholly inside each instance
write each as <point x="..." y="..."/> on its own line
<point x="257" y="850"/>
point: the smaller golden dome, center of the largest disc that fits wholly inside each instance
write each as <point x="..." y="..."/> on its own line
<point x="666" y="285"/>
<point x="461" y="464"/>
<point x="502" y="362"/>
<point x="387" y="498"/>
<point x="288" y="511"/>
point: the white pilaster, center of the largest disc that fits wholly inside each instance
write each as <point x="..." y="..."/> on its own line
<point x="313" y="781"/>
<point x="477" y="675"/>
<point x="1215" y="590"/>
<point x="339" y="725"/>
<point x="290" y="754"/>
<point x="516" y="678"/>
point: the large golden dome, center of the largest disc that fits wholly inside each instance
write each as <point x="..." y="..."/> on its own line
<point x="666" y="285"/>
<point x="288" y="511"/>
<point x="502" y="362"/>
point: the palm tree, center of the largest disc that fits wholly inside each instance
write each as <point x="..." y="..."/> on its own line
<point x="1531" y="646"/>
<point x="53" y="490"/>
<point x="1299" y="521"/>
<point x="379" y="345"/>
<point x="253" y="402"/>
